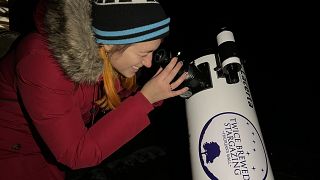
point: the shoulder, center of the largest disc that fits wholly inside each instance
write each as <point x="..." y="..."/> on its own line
<point x="36" y="64"/>
<point x="33" y="41"/>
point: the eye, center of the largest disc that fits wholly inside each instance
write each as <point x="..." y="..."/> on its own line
<point x="144" y="55"/>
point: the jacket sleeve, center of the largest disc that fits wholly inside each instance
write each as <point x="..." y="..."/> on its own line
<point x="48" y="99"/>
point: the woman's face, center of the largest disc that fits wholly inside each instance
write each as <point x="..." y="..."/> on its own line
<point x="134" y="57"/>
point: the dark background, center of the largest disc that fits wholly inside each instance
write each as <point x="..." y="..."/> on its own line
<point x="278" y="44"/>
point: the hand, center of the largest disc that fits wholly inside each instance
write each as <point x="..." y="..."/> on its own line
<point x="161" y="87"/>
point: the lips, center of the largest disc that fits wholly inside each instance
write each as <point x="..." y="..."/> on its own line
<point x="135" y="68"/>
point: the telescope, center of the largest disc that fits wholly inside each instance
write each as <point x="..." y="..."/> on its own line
<point x="225" y="138"/>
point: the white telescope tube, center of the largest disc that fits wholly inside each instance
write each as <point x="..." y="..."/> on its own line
<point x="226" y="142"/>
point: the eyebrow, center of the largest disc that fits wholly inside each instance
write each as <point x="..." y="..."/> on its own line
<point x="146" y="51"/>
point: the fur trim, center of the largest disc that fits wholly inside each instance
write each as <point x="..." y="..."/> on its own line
<point x="71" y="40"/>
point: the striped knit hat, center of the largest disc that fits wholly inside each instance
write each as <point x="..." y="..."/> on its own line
<point x="128" y="21"/>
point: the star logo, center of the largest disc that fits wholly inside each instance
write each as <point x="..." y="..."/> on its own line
<point x="231" y="147"/>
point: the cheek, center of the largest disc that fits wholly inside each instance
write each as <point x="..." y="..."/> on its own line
<point x="124" y="61"/>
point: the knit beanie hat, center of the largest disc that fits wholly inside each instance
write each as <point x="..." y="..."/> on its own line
<point x="128" y="21"/>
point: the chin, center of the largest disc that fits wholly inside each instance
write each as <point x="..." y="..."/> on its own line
<point x="129" y="74"/>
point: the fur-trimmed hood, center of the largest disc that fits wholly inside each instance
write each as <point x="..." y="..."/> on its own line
<point x="67" y="24"/>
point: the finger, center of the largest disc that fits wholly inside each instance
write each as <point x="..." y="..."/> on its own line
<point x="174" y="72"/>
<point x="168" y="68"/>
<point x="179" y="81"/>
<point x="180" y="91"/>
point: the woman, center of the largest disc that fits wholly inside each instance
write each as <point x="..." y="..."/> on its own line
<point x="50" y="85"/>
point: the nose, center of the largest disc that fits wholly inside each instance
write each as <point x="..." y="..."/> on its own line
<point x="147" y="62"/>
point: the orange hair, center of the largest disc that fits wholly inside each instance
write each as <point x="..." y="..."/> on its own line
<point x="110" y="75"/>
